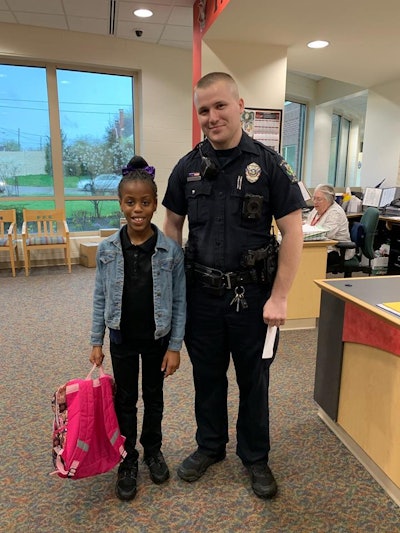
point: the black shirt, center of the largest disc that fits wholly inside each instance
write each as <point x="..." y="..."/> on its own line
<point x="137" y="315"/>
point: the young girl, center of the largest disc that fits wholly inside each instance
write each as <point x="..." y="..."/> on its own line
<point x="140" y="296"/>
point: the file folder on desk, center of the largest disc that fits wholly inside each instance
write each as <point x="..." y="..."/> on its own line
<point x="392" y="307"/>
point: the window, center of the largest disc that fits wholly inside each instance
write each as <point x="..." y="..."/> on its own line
<point x="93" y="124"/>
<point x="339" y="148"/>
<point x="289" y="153"/>
<point x="24" y="132"/>
<point x="293" y="135"/>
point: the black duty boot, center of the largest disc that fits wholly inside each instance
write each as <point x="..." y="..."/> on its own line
<point x="194" y="466"/>
<point x="262" y="480"/>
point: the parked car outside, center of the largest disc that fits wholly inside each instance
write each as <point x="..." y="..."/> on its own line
<point x="102" y="182"/>
<point x="2" y="186"/>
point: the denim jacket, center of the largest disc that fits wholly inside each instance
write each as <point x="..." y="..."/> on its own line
<point x="169" y="289"/>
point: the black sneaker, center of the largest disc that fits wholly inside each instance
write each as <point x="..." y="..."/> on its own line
<point x="194" y="466"/>
<point x="158" y="467"/>
<point x="262" y="480"/>
<point x="125" y="487"/>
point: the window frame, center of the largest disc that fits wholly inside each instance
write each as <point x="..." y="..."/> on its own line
<point x="59" y="198"/>
<point x="337" y="170"/>
<point x="300" y="135"/>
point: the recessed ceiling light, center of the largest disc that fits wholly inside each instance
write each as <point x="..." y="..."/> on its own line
<point x="143" y="13"/>
<point x="318" y="44"/>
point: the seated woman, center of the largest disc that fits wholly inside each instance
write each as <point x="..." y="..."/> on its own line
<point x="329" y="215"/>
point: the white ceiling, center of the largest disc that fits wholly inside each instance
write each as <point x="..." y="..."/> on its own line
<point x="171" y="24"/>
<point x="364" y="34"/>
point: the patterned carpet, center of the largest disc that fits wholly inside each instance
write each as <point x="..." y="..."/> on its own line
<point x="44" y="342"/>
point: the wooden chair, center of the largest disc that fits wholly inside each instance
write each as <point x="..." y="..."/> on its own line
<point x="45" y="230"/>
<point x="8" y="235"/>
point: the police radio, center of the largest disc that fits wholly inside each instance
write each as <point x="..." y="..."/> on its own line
<point x="208" y="169"/>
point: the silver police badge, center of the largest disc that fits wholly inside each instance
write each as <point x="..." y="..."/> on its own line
<point x="253" y="172"/>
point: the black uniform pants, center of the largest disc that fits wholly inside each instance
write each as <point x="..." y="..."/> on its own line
<point x="125" y="362"/>
<point x="214" y="330"/>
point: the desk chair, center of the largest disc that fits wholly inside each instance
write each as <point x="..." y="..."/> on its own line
<point x="362" y="239"/>
<point x="8" y="236"/>
<point x="45" y="230"/>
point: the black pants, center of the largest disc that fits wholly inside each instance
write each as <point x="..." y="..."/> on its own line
<point x="214" y="330"/>
<point x="125" y="361"/>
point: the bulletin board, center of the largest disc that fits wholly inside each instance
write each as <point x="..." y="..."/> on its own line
<point x="263" y="125"/>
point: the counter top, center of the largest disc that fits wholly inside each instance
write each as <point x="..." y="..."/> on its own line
<point x="367" y="292"/>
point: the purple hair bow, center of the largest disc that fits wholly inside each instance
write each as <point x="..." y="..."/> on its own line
<point x="130" y="168"/>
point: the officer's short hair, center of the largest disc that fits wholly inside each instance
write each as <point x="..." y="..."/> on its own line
<point x="213" y="77"/>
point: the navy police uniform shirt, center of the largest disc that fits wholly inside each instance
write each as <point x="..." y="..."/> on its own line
<point x="230" y="211"/>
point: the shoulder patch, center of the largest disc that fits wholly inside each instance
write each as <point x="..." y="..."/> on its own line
<point x="287" y="169"/>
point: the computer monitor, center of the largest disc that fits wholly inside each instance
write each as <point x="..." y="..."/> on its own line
<point x="388" y="195"/>
<point x="304" y="191"/>
<point x="372" y="197"/>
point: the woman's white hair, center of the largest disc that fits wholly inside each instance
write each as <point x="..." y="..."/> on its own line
<point x="327" y="191"/>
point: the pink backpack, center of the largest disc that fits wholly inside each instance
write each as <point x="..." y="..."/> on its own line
<point x="86" y="436"/>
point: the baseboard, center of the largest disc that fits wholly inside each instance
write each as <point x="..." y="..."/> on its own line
<point x="299" y="323"/>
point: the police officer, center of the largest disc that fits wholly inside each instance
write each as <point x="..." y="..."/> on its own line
<point x="230" y="187"/>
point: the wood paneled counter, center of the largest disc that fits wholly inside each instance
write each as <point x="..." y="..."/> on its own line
<point x="357" y="378"/>
<point x="304" y="296"/>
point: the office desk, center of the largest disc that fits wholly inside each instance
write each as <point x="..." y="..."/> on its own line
<point x="392" y="225"/>
<point x="304" y="297"/>
<point x="388" y="230"/>
<point x="357" y="378"/>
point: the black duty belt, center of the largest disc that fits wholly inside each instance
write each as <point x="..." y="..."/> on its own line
<point x="216" y="279"/>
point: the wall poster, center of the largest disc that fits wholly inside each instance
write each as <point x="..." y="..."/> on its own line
<point x="263" y="125"/>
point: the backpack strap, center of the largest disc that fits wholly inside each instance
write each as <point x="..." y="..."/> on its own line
<point x="109" y="416"/>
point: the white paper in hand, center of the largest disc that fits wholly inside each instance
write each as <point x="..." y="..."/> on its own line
<point x="268" y="351"/>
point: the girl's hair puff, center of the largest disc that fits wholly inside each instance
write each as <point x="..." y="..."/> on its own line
<point x="138" y="170"/>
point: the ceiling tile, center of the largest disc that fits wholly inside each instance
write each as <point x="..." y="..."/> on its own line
<point x="39" y="19"/>
<point x="90" y="25"/>
<point x="183" y="3"/>
<point x="53" y="7"/>
<point x="181" y="16"/>
<point x="87" y="8"/>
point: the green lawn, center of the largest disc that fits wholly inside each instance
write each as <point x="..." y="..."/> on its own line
<point x="106" y="207"/>
<point x="42" y="180"/>
<point x="82" y="215"/>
